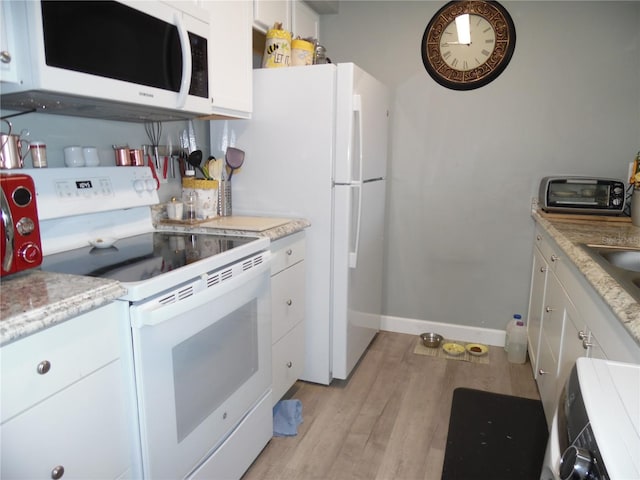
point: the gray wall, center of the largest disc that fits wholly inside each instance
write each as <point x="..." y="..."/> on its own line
<point x="465" y="165"/>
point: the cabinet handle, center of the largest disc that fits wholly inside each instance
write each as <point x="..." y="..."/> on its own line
<point x="541" y="372"/>
<point x="586" y="344"/>
<point x="43" y="367"/>
<point x="289" y="364"/>
<point x="538" y="237"/>
<point x="289" y="302"/>
<point x="543" y="269"/>
<point x="582" y="335"/>
<point x="554" y="258"/>
<point x="289" y="252"/>
<point x="548" y="309"/>
<point x="57" y="472"/>
<point x="5" y="57"/>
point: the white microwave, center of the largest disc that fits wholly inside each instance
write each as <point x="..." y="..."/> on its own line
<point x="120" y="60"/>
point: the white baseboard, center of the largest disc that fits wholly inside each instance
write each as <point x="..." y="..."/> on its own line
<point x="465" y="333"/>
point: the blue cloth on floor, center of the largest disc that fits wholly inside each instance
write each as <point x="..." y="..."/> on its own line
<point x="287" y="415"/>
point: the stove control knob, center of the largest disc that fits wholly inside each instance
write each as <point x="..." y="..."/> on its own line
<point x="138" y="186"/>
<point x="30" y="253"/>
<point x="575" y="463"/>
<point x="25" y="226"/>
<point x="616" y="201"/>
<point x="150" y="185"/>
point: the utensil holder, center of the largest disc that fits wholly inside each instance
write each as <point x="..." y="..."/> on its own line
<point x="224" y="198"/>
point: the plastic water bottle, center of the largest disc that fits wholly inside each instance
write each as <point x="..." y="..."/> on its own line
<point x="517" y="348"/>
<point x="516" y="318"/>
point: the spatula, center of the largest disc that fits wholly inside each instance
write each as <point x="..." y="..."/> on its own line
<point x="234" y="158"/>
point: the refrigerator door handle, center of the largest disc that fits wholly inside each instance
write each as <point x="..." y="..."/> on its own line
<point x="357" y="110"/>
<point x="353" y="251"/>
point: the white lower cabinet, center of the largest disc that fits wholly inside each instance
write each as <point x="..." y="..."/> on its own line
<point x="567" y="320"/>
<point x="288" y="306"/>
<point x="67" y="402"/>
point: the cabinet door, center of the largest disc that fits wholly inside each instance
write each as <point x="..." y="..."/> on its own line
<point x="287" y="361"/>
<point x="572" y="341"/>
<point x="8" y="61"/>
<point x="268" y="12"/>
<point x="553" y="316"/>
<point x="546" y="380"/>
<point x="230" y="62"/>
<point x="82" y="428"/>
<point x="305" y="22"/>
<point x="536" y="307"/>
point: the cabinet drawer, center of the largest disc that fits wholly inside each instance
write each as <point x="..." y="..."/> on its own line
<point x="287" y="251"/>
<point x="287" y="300"/>
<point x="547" y="248"/>
<point x="73" y="349"/>
<point x="287" y="361"/>
<point x="83" y="429"/>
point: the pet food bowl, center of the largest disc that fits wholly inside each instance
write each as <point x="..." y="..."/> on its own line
<point x="431" y="340"/>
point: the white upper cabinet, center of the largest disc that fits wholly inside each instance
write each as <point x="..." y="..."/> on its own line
<point x="306" y="22"/>
<point x="230" y="62"/>
<point x="268" y="12"/>
<point x="8" y="69"/>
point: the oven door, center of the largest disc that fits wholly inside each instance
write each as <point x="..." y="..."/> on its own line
<point x="202" y="357"/>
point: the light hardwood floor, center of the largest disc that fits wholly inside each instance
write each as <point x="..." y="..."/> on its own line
<point x="389" y="421"/>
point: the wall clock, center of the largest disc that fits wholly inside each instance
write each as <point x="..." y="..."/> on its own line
<point x="467" y="44"/>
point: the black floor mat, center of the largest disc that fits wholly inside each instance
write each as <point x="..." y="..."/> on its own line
<point x="494" y="436"/>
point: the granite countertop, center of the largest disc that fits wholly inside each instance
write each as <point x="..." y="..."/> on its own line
<point x="569" y="234"/>
<point x="34" y="300"/>
<point x="220" y="225"/>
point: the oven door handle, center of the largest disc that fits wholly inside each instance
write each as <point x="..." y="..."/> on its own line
<point x="154" y="313"/>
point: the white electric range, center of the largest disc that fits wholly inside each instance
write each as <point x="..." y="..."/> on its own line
<point x="199" y="311"/>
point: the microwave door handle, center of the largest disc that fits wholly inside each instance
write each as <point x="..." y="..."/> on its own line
<point x="185" y="45"/>
<point x="8" y="232"/>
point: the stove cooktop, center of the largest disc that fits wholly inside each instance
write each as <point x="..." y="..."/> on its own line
<point x="142" y="258"/>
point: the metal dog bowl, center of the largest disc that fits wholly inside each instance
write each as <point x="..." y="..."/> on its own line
<point x="431" y="340"/>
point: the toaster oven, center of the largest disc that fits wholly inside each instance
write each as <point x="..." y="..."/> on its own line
<point x="20" y="245"/>
<point x="604" y="196"/>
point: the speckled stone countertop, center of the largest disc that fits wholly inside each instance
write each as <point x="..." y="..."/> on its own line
<point x="161" y="222"/>
<point x="570" y="234"/>
<point x="34" y="300"/>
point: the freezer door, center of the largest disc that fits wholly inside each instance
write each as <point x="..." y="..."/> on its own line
<point x="357" y="271"/>
<point x="362" y="110"/>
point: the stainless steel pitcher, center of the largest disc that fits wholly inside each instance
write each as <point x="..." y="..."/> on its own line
<point x="11" y="153"/>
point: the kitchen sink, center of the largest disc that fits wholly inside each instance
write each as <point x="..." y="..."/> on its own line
<point x="622" y="263"/>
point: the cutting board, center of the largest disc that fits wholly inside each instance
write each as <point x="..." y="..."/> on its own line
<point x="582" y="218"/>
<point x="248" y="224"/>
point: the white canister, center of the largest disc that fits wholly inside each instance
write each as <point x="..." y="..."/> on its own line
<point x="302" y="52"/>
<point x="38" y="152"/>
<point x="73" y="156"/>
<point x="277" y="49"/>
<point x="91" y="158"/>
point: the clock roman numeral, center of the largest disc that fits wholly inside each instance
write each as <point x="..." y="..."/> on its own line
<point x="485" y="52"/>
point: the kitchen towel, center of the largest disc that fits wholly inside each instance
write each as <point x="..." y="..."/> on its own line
<point x="287" y="415"/>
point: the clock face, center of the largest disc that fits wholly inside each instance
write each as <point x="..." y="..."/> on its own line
<point x="467" y="44"/>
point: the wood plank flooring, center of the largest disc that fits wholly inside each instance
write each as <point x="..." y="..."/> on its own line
<point x="389" y="421"/>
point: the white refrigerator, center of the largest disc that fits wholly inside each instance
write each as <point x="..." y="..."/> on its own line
<point x="316" y="147"/>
